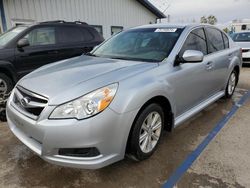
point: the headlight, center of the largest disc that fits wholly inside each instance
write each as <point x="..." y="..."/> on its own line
<point x="87" y="105"/>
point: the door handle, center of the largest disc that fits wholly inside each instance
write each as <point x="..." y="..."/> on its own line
<point x="209" y="65"/>
<point x="24" y="55"/>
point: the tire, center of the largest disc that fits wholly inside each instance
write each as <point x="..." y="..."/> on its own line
<point x="231" y="84"/>
<point x="137" y="150"/>
<point x="6" y="85"/>
<point x="5" y="81"/>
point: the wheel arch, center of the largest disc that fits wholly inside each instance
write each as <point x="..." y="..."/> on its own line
<point x="237" y="69"/>
<point x="167" y="109"/>
<point x="7" y="68"/>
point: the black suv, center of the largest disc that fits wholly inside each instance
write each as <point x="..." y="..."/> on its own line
<point x="27" y="47"/>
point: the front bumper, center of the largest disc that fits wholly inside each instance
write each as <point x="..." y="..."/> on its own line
<point x="107" y="131"/>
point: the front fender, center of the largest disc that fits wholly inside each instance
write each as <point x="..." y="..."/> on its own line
<point x="7" y="66"/>
<point x="133" y="93"/>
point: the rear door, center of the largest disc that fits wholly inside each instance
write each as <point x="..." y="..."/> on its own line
<point x="74" y="41"/>
<point x="219" y="56"/>
<point x="42" y="49"/>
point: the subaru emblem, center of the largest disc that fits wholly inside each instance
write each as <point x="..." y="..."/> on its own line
<point x="25" y="101"/>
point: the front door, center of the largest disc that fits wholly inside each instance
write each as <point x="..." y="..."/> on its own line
<point x="192" y="80"/>
<point x="42" y="50"/>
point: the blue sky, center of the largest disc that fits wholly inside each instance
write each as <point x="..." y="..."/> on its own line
<point x="188" y="10"/>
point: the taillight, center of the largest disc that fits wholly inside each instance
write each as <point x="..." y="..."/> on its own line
<point x="245" y="50"/>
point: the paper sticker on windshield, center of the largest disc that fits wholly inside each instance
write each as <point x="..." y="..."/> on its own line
<point x="166" y="30"/>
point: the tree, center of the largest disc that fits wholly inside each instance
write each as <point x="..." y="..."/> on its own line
<point x="203" y="19"/>
<point x="226" y="30"/>
<point x="212" y="19"/>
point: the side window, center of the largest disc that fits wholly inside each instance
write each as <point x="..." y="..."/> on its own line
<point x="41" y="36"/>
<point x="74" y="34"/>
<point x="70" y="35"/>
<point x="214" y="39"/>
<point x="226" y="41"/>
<point x="196" y="40"/>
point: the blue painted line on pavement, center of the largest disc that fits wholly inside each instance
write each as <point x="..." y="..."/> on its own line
<point x="173" y="179"/>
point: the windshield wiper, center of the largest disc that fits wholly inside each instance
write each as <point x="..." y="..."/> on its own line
<point x="122" y="58"/>
<point x="134" y="59"/>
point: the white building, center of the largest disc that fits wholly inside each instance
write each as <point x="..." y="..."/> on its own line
<point x="240" y="25"/>
<point x="108" y="16"/>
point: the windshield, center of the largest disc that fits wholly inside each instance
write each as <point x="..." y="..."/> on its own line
<point x="7" y="36"/>
<point x="148" y="44"/>
<point x="241" y="37"/>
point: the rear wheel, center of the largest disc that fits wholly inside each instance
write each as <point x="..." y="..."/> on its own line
<point x="231" y="84"/>
<point x="146" y="132"/>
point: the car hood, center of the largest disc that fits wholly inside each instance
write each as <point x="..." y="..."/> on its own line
<point x="243" y="45"/>
<point x="68" y="79"/>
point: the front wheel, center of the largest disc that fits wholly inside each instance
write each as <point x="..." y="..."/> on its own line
<point x="6" y="84"/>
<point x="146" y="132"/>
<point x="231" y="84"/>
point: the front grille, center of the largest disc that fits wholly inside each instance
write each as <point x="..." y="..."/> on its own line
<point x="29" y="103"/>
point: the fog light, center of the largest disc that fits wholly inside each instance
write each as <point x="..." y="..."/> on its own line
<point x="79" y="152"/>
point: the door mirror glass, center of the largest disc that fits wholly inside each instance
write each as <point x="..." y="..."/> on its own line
<point x="192" y="56"/>
<point x="22" y="43"/>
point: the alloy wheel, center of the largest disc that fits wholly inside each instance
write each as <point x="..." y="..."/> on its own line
<point x="150" y="132"/>
<point x="231" y="83"/>
<point x="3" y="86"/>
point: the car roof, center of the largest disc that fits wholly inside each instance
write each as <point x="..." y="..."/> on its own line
<point x="57" y="23"/>
<point x="171" y="25"/>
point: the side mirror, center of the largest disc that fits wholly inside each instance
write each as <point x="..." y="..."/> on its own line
<point x="192" y="56"/>
<point x="22" y="43"/>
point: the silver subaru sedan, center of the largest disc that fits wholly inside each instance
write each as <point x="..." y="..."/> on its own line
<point x="91" y="111"/>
